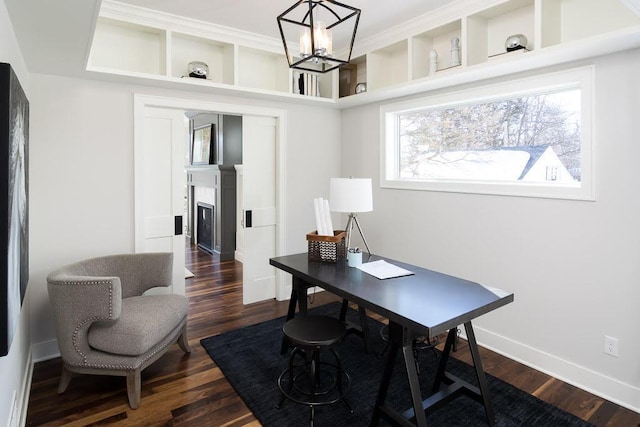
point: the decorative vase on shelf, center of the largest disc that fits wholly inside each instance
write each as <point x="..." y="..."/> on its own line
<point x="198" y="69"/>
<point x="455" y="52"/>
<point x="515" y="42"/>
<point x="433" y="62"/>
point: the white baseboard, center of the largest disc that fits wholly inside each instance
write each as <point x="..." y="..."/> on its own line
<point x="239" y="256"/>
<point x="37" y="353"/>
<point x="23" y="405"/>
<point x="45" y="350"/>
<point x="614" y="390"/>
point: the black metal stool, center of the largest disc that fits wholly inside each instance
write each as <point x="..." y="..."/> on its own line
<point x="307" y="383"/>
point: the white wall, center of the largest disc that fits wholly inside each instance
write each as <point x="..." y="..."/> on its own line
<point x="15" y="366"/>
<point x="82" y="175"/>
<point x="573" y="266"/>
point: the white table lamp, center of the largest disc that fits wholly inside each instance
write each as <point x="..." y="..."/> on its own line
<point x="351" y="195"/>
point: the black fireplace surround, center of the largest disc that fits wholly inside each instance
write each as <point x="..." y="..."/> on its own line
<point x="205" y="226"/>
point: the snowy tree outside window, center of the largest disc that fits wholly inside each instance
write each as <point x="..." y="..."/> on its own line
<point x="528" y="137"/>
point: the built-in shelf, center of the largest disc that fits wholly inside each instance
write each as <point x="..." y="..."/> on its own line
<point x="135" y="44"/>
<point x="388" y="65"/>
<point x="488" y="30"/>
<point x="218" y="56"/>
<point x="438" y="40"/>
<point x="352" y="74"/>
<point x="144" y="48"/>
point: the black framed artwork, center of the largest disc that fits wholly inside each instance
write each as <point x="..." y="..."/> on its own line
<point x="14" y="209"/>
<point x="203" y="145"/>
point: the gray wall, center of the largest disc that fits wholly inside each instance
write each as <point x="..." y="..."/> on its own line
<point x="228" y="138"/>
<point x="82" y="175"/>
<point x="573" y="266"/>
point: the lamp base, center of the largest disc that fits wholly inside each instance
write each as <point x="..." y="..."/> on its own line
<point x="353" y="219"/>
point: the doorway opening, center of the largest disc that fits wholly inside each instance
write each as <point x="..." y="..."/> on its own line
<point x="146" y="106"/>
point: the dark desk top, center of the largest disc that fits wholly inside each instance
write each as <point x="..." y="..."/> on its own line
<point x="427" y="302"/>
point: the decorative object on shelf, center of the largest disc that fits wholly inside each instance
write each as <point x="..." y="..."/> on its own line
<point x="455" y="52"/>
<point x="515" y="42"/>
<point x="351" y="195"/>
<point x="433" y="62"/>
<point x="198" y="69"/>
<point x="316" y="25"/>
<point x="202" y="145"/>
<point x="306" y="84"/>
<point x="361" y="87"/>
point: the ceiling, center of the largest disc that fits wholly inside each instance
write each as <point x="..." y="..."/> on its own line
<point x="54" y="36"/>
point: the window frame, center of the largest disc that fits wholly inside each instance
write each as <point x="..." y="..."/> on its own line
<point x="582" y="78"/>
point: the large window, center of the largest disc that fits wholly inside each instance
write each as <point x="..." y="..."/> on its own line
<point x="529" y="137"/>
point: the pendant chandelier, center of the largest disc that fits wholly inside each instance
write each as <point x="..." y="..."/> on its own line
<point x="317" y="26"/>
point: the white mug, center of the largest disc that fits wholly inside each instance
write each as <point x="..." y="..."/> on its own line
<point x="354" y="259"/>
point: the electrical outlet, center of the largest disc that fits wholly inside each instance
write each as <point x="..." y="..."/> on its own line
<point x="611" y="345"/>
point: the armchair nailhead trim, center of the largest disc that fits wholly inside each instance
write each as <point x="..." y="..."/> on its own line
<point x="89" y="320"/>
<point x="128" y="367"/>
<point x="81" y="326"/>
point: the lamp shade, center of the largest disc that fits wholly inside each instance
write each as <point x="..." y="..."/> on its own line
<point x="350" y="195"/>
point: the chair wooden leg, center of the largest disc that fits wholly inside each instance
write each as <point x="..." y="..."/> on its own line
<point x="183" y="342"/>
<point x="133" y="388"/>
<point x="65" y="378"/>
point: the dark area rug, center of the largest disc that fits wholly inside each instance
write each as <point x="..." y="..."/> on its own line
<point x="251" y="361"/>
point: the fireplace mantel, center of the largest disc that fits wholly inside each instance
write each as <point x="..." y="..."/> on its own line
<point x="215" y="185"/>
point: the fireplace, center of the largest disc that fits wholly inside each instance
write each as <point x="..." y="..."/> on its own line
<point x="205" y="226"/>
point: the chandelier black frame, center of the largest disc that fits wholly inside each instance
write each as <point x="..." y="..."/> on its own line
<point x="318" y="59"/>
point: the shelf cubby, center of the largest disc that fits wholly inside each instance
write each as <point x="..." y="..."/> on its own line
<point x="438" y="39"/>
<point x="350" y="75"/>
<point x="218" y="56"/>
<point x="126" y="47"/>
<point x="388" y="66"/>
<point x="261" y="69"/>
<point x="488" y="30"/>
<point x="564" y="21"/>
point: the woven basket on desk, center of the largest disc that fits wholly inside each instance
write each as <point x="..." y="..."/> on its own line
<point x="327" y="248"/>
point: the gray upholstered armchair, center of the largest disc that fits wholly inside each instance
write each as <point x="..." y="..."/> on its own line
<point x="104" y="324"/>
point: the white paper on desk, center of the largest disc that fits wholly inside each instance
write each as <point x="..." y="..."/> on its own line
<point x="383" y="270"/>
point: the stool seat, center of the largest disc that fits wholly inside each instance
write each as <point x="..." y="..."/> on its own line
<point x="311" y="383"/>
<point x="314" y="331"/>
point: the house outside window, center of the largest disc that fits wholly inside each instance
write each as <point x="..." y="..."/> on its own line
<point x="528" y="137"/>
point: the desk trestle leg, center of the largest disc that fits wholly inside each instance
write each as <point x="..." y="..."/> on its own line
<point x="400" y="338"/>
<point x="482" y="379"/>
<point x="445" y="386"/>
<point x="455" y="384"/>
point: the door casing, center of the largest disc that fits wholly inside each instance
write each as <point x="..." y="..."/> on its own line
<point x="283" y="288"/>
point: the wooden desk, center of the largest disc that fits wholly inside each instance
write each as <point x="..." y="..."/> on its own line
<point x="427" y="303"/>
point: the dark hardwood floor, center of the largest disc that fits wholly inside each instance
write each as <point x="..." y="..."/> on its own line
<point x="190" y="390"/>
